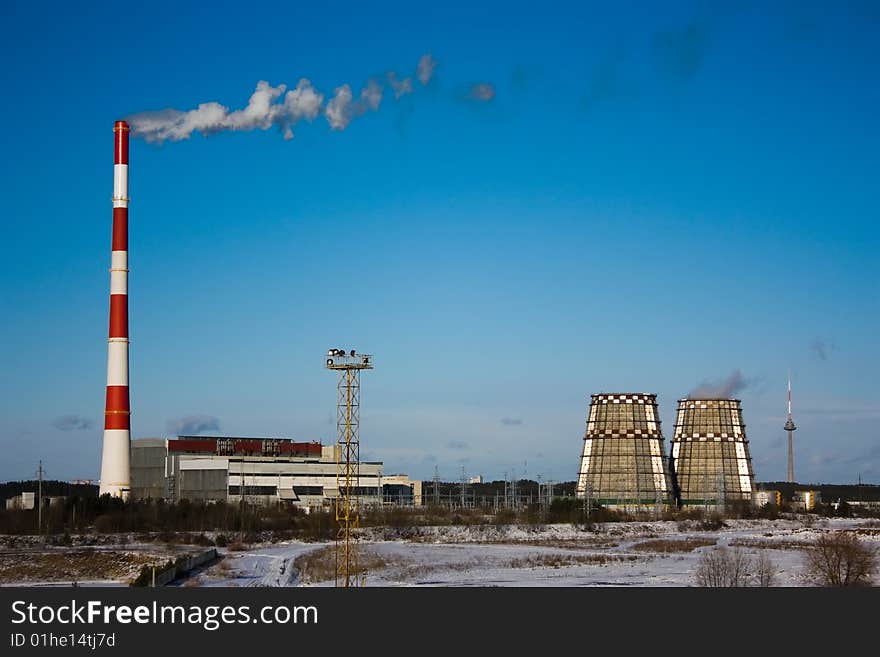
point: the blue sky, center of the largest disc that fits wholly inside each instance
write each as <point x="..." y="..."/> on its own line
<point x="651" y="200"/>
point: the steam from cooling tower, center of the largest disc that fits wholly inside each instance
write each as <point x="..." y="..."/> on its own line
<point x="278" y="107"/>
<point x="723" y="389"/>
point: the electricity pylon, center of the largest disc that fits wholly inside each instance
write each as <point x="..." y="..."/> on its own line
<point x="347" y="452"/>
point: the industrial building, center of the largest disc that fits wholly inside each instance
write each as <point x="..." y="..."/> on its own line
<point x="761" y="498"/>
<point x="400" y="490"/>
<point x="25" y="501"/>
<point x="623" y="462"/>
<point x="255" y="470"/>
<point x="710" y="454"/>
<point x="806" y="500"/>
<point x="28" y="501"/>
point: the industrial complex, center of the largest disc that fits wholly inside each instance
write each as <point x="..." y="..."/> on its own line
<point x="624" y="464"/>
<point x="623" y="461"/>
<point x="255" y="471"/>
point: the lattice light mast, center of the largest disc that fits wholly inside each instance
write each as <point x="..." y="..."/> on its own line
<point x="348" y="366"/>
<point x="789" y="427"/>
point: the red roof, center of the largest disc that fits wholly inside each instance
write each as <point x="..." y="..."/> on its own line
<point x="244" y="446"/>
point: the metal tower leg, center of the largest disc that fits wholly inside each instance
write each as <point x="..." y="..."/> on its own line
<point x="347" y="476"/>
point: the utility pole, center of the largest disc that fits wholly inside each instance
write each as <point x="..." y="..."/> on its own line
<point x="462" y="491"/>
<point x="588" y="501"/>
<point x="540" y="494"/>
<point x="513" y="490"/>
<point x="40" y="498"/>
<point x="436" y="487"/>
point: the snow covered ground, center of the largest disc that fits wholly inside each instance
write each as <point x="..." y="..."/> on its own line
<point x="613" y="554"/>
<point x="267" y="566"/>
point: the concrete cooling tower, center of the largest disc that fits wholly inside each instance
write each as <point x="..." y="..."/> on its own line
<point x="623" y="463"/>
<point x="710" y="453"/>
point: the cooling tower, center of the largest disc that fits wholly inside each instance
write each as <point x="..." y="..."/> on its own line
<point x="710" y="453"/>
<point x="623" y="463"/>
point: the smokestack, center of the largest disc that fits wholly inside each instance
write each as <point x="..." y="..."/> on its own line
<point x="115" y="468"/>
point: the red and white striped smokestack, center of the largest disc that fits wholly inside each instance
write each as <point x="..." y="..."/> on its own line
<point x="115" y="467"/>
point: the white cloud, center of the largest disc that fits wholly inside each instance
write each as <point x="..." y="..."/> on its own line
<point x="193" y="424"/>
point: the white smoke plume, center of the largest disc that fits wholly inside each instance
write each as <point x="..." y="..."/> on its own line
<point x="338" y="111"/>
<point x="400" y="87"/>
<point x="276" y="107"/>
<point x="425" y="69"/>
<point x="723" y="389"/>
<point x="482" y="92"/>
<point x="262" y="112"/>
<point x="342" y="108"/>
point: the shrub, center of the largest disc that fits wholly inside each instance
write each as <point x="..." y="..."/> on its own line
<point x="841" y="559"/>
<point x="673" y="545"/>
<point x="713" y="523"/>
<point x="723" y="567"/>
<point x="765" y="570"/>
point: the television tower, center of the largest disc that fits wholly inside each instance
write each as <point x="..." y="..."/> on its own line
<point x="789" y="426"/>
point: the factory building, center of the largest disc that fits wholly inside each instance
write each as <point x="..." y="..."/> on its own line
<point x="623" y="462"/>
<point x="761" y="498"/>
<point x="24" y="501"/>
<point x="255" y="470"/>
<point x="710" y="454"/>
<point x="28" y="501"/>
<point x="400" y="490"/>
<point x="806" y="500"/>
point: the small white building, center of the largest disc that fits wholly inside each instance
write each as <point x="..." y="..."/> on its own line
<point x="764" y="497"/>
<point x="806" y="500"/>
<point x="24" y="501"/>
<point x="399" y="489"/>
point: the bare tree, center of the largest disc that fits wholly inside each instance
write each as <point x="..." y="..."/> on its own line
<point x="841" y="559"/>
<point x="765" y="570"/>
<point x="723" y="567"/>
